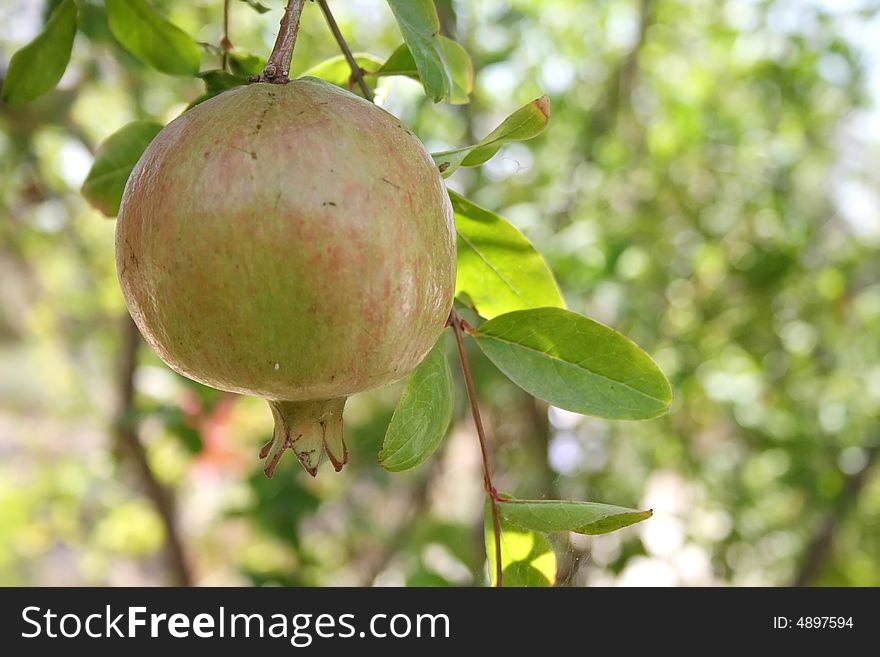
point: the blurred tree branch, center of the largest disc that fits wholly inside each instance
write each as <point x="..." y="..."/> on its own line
<point x="621" y="81"/>
<point x="604" y="117"/>
<point x="128" y="438"/>
<point x="819" y="548"/>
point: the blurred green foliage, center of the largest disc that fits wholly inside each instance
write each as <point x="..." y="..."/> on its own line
<point x="707" y="186"/>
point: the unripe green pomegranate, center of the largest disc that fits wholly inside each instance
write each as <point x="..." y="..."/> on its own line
<point x="293" y="242"/>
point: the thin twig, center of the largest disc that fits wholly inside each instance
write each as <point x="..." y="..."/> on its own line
<point x="277" y="68"/>
<point x="356" y="71"/>
<point x="129" y="439"/>
<point x="458" y="325"/>
<point x="225" y="43"/>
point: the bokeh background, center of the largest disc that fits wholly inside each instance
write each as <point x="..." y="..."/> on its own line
<point x="708" y="186"/>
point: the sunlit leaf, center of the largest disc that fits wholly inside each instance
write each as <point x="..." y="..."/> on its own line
<point x="113" y="163"/>
<point x="401" y="62"/>
<point x="527" y="122"/>
<point x="151" y="38"/>
<point x="37" y="68"/>
<point x="422" y="415"/>
<point x="337" y="70"/>
<point x="498" y="268"/>
<point x="569" y="516"/>
<point x="527" y="557"/>
<point x="575" y="363"/>
<point x="420" y="26"/>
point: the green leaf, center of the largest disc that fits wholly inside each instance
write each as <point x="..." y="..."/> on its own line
<point x="420" y="27"/>
<point x="525" y="123"/>
<point x="113" y="163"/>
<point x="422" y="415"/>
<point x="216" y="82"/>
<point x="244" y="64"/>
<point x="575" y="363"/>
<point x="37" y="68"/>
<point x="401" y="62"/>
<point x="336" y="70"/>
<point x="569" y="516"/>
<point x="460" y="68"/>
<point x="498" y="268"/>
<point x="527" y="558"/>
<point x="257" y="6"/>
<point x="151" y="38"/>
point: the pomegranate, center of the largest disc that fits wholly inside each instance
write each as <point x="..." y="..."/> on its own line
<point x="293" y="242"/>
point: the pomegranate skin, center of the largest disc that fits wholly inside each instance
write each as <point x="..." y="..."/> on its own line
<point x="293" y="242"/>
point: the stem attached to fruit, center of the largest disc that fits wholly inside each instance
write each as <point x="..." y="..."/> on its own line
<point x="458" y="326"/>
<point x="278" y="65"/>
<point x="356" y="71"/>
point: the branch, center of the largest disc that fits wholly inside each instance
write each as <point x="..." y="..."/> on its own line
<point x="128" y="438"/>
<point x="602" y="118"/>
<point x="278" y="65"/>
<point x="458" y="326"/>
<point x="621" y="82"/>
<point x="819" y="548"/>
<point x="356" y="72"/>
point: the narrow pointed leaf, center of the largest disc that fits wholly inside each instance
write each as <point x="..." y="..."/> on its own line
<point x="401" y="62"/>
<point x="498" y="268"/>
<point x="420" y="26"/>
<point x="575" y="363"/>
<point x="113" y="163"/>
<point x="527" y="557"/>
<point x="525" y="123"/>
<point x="422" y="415"/>
<point x="570" y="516"/>
<point x="336" y="70"/>
<point x="38" y="66"/>
<point x="152" y="39"/>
